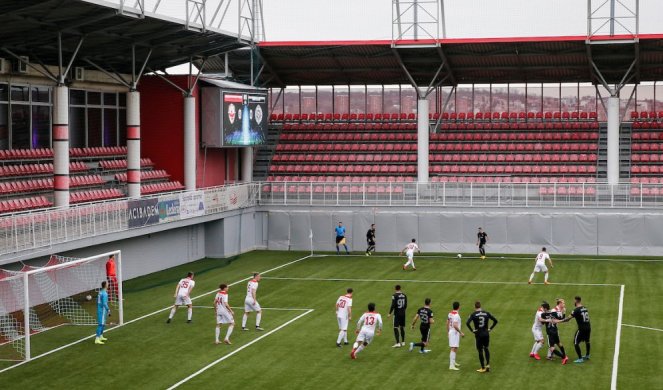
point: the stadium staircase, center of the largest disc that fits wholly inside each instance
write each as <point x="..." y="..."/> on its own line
<point x="265" y="153"/>
<point x="624" y="152"/>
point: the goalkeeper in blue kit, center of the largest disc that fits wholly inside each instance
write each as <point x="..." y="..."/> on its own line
<point x="102" y="311"/>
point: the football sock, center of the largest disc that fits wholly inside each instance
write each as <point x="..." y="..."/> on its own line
<point x="550" y="353"/>
<point x="534" y="348"/>
<point x="355" y="345"/>
<point x="537" y="347"/>
<point x="558" y="353"/>
<point x="345" y="336"/>
<point x="189" y="313"/>
<point x="230" y="331"/>
<point x="346" y="248"/>
<point x="338" y="251"/>
<point x="563" y="351"/>
<point x="546" y="277"/>
<point x="452" y="358"/>
<point x="481" y="358"/>
<point x="217" y="332"/>
<point x="577" y="347"/>
<point x="100" y="329"/>
<point x="340" y="337"/>
<point x="487" y="352"/>
<point x="258" y="317"/>
<point x="246" y="316"/>
<point x="359" y="348"/>
<point x="403" y="338"/>
<point x="587" y="343"/>
<point x="396" y="334"/>
<point x="531" y="277"/>
<point x="172" y="313"/>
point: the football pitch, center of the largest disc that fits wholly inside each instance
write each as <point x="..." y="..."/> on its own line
<point x="297" y="348"/>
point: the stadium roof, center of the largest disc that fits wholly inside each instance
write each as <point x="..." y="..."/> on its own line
<point x="481" y="61"/>
<point x="30" y="28"/>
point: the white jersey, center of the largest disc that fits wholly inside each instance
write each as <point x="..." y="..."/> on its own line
<point x="411" y="247"/>
<point x="220" y="302"/>
<point x="185" y="286"/>
<point x="541" y="258"/>
<point x="343" y="304"/>
<point x="537" y="323"/>
<point x="369" y="320"/>
<point x="252" y="286"/>
<point x="454" y="319"/>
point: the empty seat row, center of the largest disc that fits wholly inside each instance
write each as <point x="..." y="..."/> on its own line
<point x="346" y="147"/>
<point x="453" y="116"/>
<point x="38" y="169"/>
<point x="19" y="186"/>
<point x="646" y="115"/>
<point x="514" y="169"/>
<point x="335" y="179"/>
<point x="95" y="195"/>
<point x="646" y="169"/>
<point x="514" y="158"/>
<point x="145" y="175"/>
<point x="332" y="188"/>
<point x="22" y="204"/>
<point x="646" y="191"/>
<point x="514" y="147"/>
<point x="346" y="169"/>
<point x="86" y="180"/>
<point x="342" y="137"/>
<point x="646" y="146"/>
<point x="515" y="136"/>
<point x="647" y="180"/>
<point x="343" y="158"/>
<point x="647" y="125"/>
<point x="26" y="154"/>
<point x="122" y="164"/>
<point x="522" y="126"/>
<point x="655" y="136"/>
<point x="646" y="158"/>
<point x="103" y="151"/>
<point x="309" y="127"/>
<point x="161" y="187"/>
<point x="511" y="179"/>
<point x="567" y="190"/>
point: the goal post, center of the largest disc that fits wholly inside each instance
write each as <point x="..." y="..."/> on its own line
<point x="62" y="292"/>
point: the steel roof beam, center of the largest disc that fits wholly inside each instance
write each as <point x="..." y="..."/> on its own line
<point x="440" y="52"/>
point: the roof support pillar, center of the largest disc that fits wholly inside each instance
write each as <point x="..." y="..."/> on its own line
<point x="422" y="140"/>
<point x="133" y="144"/>
<point x="60" y="134"/>
<point x="613" y="140"/>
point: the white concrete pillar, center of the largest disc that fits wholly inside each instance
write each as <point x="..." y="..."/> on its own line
<point x="133" y="144"/>
<point x="247" y="164"/>
<point x="61" y="146"/>
<point x="190" y="143"/>
<point x="422" y="140"/>
<point x="613" y="140"/>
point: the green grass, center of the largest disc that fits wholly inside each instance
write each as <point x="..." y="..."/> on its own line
<point x="302" y="355"/>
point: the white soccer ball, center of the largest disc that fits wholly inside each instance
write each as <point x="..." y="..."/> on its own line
<point x="459" y="255"/>
<point x="88" y="297"/>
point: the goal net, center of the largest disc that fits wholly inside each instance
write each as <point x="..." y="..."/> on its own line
<point x="62" y="292"/>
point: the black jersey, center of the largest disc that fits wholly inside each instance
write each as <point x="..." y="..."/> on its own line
<point x="480" y="321"/>
<point x="370" y="235"/>
<point x="551" y="327"/>
<point x="398" y="304"/>
<point x="581" y="314"/>
<point x="482" y="236"/>
<point x="425" y="315"/>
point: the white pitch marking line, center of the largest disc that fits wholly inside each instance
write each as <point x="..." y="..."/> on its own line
<point x="226" y="356"/>
<point x="618" y="336"/>
<point x="435" y="281"/>
<point x="143" y="317"/>
<point x="500" y="257"/>
<point x="643" y="327"/>
<point x="262" y="308"/>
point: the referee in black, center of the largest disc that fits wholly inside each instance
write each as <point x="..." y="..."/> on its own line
<point x="581" y="314"/>
<point x="482" y="238"/>
<point x="370" y="240"/>
<point x="398" y="306"/>
<point x="482" y="333"/>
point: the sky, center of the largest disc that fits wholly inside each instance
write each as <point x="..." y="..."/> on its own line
<point x="315" y="20"/>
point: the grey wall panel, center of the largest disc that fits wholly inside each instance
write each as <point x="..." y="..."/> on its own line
<point x="451" y="232"/>
<point x="214" y="238"/>
<point x="361" y="222"/>
<point x="323" y="235"/>
<point x="387" y="234"/>
<point x="279" y="231"/>
<point x="495" y="225"/>
<point x="610" y="233"/>
<point x="429" y="232"/>
<point x="300" y="227"/>
<point x="407" y="228"/>
<point x="471" y="223"/>
<point x="653" y="231"/>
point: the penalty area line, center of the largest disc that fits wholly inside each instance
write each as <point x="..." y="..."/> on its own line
<point x="618" y="336"/>
<point x="643" y="327"/>
<point x="433" y="281"/>
<point x="226" y="356"/>
<point x="262" y="308"/>
<point x="144" y="316"/>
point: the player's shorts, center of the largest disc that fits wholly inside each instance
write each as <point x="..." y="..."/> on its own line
<point x="342" y="323"/>
<point x="553" y="339"/>
<point x="582" y="335"/>
<point x="250" y="306"/>
<point x="101" y="317"/>
<point x="224" y="317"/>
<point x="340" y="240"/>
<point x="482" y="340"/>
<point x="371" y="243"/>
<point x="537" y="333"/>
<point x="181" y="300"/>
<point x="410" y="255"/>
<point x="365" y="336"/>
<point x="481" y="245"/>
<point x="425" y="333"/>
<point x="454" y="339"/>
<point x="540" y="268"/>
<point x="399" y="320"/>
